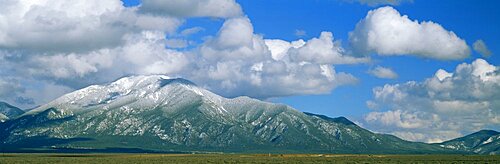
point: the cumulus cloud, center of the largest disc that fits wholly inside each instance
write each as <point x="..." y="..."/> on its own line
<point x="480" y="46"/>
<point x="235" y="33"/>
<point x="239" y="62"/>
<point x="72" y="25"/>
<point x="386" y="32"/>
<point x="382" y="2"/>
<point x="442" y="107"/>
<point x="323" y="50"/>
<point x="142" y="53"/>
<point x="383" y="72"/>
<point x="77" y="26"/>
<point x="192" y="8"/>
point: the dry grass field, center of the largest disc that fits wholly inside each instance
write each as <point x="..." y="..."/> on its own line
<point x="242" y="158"/>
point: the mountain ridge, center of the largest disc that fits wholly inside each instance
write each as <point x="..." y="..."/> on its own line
<point x="8" y="111"/>
<point x="481" y="142"/>
<point x="340" y="119"/>
<point x="159" y="113"/>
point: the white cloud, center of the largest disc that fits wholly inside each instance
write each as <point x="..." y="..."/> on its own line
<point x="481" y="47"/>
<point x="383" y="72"/>
<point x="239" y="62"/>
<point x="192" y="8"/>
<point x="143" y="53"/>
<point x="442" y="107"/>
<point x="176" y="43"/>
<point x="372" y="105"/>
<point x="235" y="33"/>
<point x="442" y="74"/>
<point x="155" y="23"/>
<point x="386" y="32"/>
<point x="235" y="41"/>
<point x="412" y="136"/>
<point x="9" y="87"/>
<point x="323" y="50"/>
<point x="398" y="118"/>
<point x="191" y="31"/>
<point x="72" y="25"/>
<point x="279" y="48"/>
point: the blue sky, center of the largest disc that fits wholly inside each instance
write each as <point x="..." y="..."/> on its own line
<point x="301" y="53"/>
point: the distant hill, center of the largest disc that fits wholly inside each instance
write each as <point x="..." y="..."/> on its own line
<point x="8" y="111"/>
<point x="481" y="142"/>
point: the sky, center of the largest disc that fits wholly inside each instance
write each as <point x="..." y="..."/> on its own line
<point x="423" y="71"/>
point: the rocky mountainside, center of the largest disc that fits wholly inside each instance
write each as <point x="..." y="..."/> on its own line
<point x="163" y="114"/>
<point x="8" y="111"/>
<point x="481" y="142"/>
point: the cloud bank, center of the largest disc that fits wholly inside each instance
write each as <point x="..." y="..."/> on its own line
<point x="442" y="107"/>
<point x="72" y="26"/>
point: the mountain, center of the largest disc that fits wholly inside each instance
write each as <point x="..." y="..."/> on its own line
<point x="481" y="142"/>
<point x="162" y="114"/>
<point x="8" y="111"/>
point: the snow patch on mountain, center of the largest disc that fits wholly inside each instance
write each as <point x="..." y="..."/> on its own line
<point x="3" y="118"/>
<point x="145" y="91"/>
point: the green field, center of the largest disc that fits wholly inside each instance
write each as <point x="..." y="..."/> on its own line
<point x="242" y="158"/>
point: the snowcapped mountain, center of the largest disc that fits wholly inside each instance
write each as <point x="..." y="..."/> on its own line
<point x="481" y="142"/>
<point x="159" y="113"/>
<point x="8" y="111"/>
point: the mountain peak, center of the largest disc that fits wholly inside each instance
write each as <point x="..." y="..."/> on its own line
<point x="145" y="80"/>
<point x="6" y="105"/>
<point x="341" y="120"/>
<point x="487" y="131"/>
<point x="9" y="111"/>
<point x="142" y="90"/>
<point x="481" y="135"/>
<point x="482" y="142"/>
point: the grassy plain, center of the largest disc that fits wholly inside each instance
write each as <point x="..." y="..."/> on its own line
<point x="242" y="158"/>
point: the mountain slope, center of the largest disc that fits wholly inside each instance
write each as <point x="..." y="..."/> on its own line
<point x="159" y="113"/>
<point x="8" y="111"/>
<point x="481" y="142"/>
